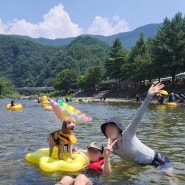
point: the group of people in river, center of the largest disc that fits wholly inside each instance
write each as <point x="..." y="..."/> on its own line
<point x="123" y="143"/>
<point x="171" y="98"/>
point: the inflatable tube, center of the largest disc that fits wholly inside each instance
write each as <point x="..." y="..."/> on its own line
<point x="45" y="103"/>
<point x="62" y="110"/>
<point x="16" y="107"/>
<point x="48" y="108"/>
<point x="163" y="92"/>
<point x="86" y="101"/>
<point x="44" y="98"/>
<point x="172" y="104"/>
<point x="75" y="101"/>
<point x="52" y="164"/>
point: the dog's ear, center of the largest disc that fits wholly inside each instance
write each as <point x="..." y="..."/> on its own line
<point x="64" y="125"/>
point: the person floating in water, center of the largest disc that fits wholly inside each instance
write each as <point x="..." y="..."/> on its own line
<point x="172" y="98"/>
<point x="128" y="146"/>
<point x="12" y="104"/>
<point x="161" y="99"/>
<point x="99" y="164"/>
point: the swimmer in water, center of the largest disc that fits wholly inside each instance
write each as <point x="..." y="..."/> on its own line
<point x="128" y="146"/>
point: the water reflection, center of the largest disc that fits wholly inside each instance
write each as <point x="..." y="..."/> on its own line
<point x="25" y="131"/>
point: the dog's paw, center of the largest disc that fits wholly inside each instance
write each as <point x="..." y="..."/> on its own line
<point x="73" y="157"/>
<point x="60" y="158"/>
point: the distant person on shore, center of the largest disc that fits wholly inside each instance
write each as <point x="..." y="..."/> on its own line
<point x="137" y="97"/>
<point x="128" y="146"/>
<point x="99" y="164"/>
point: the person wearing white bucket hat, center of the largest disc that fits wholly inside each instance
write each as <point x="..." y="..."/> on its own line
<point x="128" y="146"/>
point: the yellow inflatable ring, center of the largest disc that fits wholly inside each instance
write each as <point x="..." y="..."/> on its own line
<point x="45" y="103"/>
<point x="16" y="107"/>
<point x="75" y="101"/>
<point x="44" y="98"/>
<point x="48" y="108"/>
<point x="52" y="164"/>
<point x="172" y="104"/>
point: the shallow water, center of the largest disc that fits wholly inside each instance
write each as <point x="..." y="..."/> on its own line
<point x="25" y="131"/>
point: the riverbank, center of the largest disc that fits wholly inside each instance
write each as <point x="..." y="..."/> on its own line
<point x="112" y="97"/>
<point x="113" y="100"/>
<point x="126" y="96"/>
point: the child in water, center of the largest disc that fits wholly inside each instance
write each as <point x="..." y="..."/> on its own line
<point x="128" y="146"/>
<point x="99" y="164"/>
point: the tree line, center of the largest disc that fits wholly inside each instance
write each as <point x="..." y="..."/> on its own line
<point x="153" y="58"/>
<point x="86" y="62"/>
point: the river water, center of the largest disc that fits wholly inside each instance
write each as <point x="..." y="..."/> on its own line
<point x="162" y="128"/>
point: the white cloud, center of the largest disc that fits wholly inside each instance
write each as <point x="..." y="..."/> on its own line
<point x="2" y="28"/>
<point x="58" y="24"/>
<point x="103" y="26"/>
<point x="20" y="27"/>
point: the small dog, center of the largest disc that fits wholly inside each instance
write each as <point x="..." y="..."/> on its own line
<point x="63" y="137"/>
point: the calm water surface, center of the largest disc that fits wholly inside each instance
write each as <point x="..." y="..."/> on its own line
<point x="22" y="132"/>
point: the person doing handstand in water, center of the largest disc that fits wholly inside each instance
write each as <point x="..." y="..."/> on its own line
<point x="128" y="146"/>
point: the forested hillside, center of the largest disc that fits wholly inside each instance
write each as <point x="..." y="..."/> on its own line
<point x="85" y="62"/>
<point x="22" y="60"/>
<point x="28" y="63"/>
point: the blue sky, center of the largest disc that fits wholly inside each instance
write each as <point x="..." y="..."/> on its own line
<point x="67" y="18"/>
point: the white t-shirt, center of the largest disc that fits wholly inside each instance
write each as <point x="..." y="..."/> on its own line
<point x="129" y="147"/>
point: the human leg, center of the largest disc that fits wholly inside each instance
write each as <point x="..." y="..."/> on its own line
<point x="66" y="180"/>
<point x="82" y="180"/>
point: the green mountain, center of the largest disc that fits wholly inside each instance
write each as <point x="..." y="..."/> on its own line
<point x="128" y="39"/>
<point x="36" y="62"/>
<point x="28" y="63"/>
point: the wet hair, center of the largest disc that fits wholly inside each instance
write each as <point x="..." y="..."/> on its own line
<point x="12" y="101"/>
